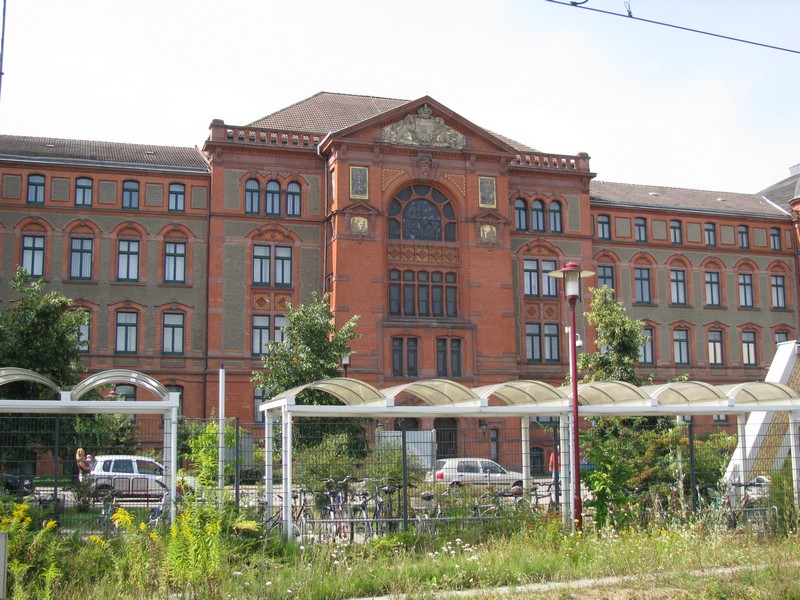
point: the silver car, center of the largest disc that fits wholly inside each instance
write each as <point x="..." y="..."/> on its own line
<point x="128" y="476"/>
<point x="473" y="471"/>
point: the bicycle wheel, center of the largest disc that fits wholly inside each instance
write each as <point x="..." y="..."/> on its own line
<point x="362" y="528"/>
<point x="93" y="526"/>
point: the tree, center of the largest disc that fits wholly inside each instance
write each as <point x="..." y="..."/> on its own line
<point x="312" y="349"/>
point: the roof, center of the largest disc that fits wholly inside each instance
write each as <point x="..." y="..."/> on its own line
<point x="327" y="111"/>
<point x="784" y="191"/>
<point x="659" y="198"/>
<point x="111" y="154"/>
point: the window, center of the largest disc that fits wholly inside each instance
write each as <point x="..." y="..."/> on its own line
<point x="555" y="217"/>
<point x="128" y="260"/>
<point x="80" y="258"/>
<point x="405" y="357"/>
<point x="680" y="346"/>
<point x="127" y="331"/>
<point x="279" y="324"/>
<point x="533" y="342"/>
<point x="177" y="197"/>
<point x="260" y="334"/>
<point x="422" y="213"/>
<point x="551" y="346"/>
<point x="778" y="284"/>
<point x="83" y="191"/>
<point x="423" y="293"/>
<point x="549" y="284"/>
<point x="173" y="333"/>
<point x="293" y="199"/>
<point x="33" y="254"/>
<point x="283" y="266"/>
<point x="605" y="276"/>
<point x="715" y="355"/>
<point x="537" y="215"/>
<point x="604" y="227"/>
<point x="530" y="276"/>
<point x="273" y="198"/>
<point x="744" y="237"/>
<point x="84" y="334"/>
<point x="646" y="356"/>
<point x="640" y="229"/>
<point x="781" y="336"/>
<point x="130" y="195"/>
<point x="775" y="238"/>
<point x="448" y="349"/>
<point x="677" y="284"/>
<point x="711" y="234"/>
<point x="675" y="232"/>
<point x="262" y="264"/>
<point x="35" y="189"/>
<point x="749" y="348"/>
<point x="521" y="215"/>
<point x="746" y="290"/>
<point x="259" y="396"/>
<point x="642" y="284"/>
<point x="712" y="288"/>
<point x="540" y="347"/>
<point x="174" y="262"/>
<point x="252" y="197"/>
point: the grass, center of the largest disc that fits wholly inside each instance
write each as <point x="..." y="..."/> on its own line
<point x="211" y="554"/>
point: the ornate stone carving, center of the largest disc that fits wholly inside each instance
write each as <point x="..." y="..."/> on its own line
<point x="423" y="129"/>
<point x="389" y="175"/>
<point x="425" y="162"/>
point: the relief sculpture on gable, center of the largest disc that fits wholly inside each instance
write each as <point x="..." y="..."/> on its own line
<point x="423" y="129"/>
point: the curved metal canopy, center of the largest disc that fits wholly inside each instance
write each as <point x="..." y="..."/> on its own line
<point x="523" y="392"/>
<point x="684" y="393"/>
<point x="434" y="391"/>
<point x="759" y="392"/>
<point x="120" y="376"/>
<point x="609" y="392"/>
<point x="12" y="374"/>
<point x="352" y="392"/>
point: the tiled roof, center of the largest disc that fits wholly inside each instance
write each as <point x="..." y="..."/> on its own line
<point x="86" y="152"/>
<point x="784" y="191"/>
<point x="661" y="198"/>
<point x="326" y="111"/>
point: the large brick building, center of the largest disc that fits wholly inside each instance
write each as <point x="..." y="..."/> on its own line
<point x="437" y="232"/>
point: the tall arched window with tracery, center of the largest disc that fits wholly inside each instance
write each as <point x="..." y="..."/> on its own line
<point x="422" y="213"/>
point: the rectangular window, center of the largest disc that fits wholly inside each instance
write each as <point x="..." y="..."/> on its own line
<point x="33" y="254"/>
<point x="84" y="335"/>
<point x="646" y="351"/>
<point x="128" y="260"/>
<point x="130" y="195"/>
<point x="530" y="277"/>
<point x="744" y="236"/>
<point x="260" y="334"/>
<point x="746" y="290"/>
<point x="711" y="234"/>
<point x="775" y="238"/>
<point x="441" y="358"/>
<point x="398" y="363"/>
<point x="293" y="195"/>
<point x="177" y="197"/>
<point x="262" y="264"/>
<point x="283" y="266"/>
<point x="677" y="284"/>
<point x="680" y="346"/>
<point x="712" y="288"/>
<point x="80" y="258"/>
<point x="549" y="284"/>
<point x="451" y="295"/>
<point x="127" y="333"/>
<point x="604" y="227"/>
<point x="173" y="333"/>
<point x="675" y="232"/>
<point x="778" y="284"/>
<point x="448" y="357"/>
<point x="605" y="276"/>
<point x="551" y="345"/>
<point x="715" y="355"/>
<point x="780" y="337"/>
<point x="273" y="198"/>
<point x="252" y="197"/>
<point x="533" y="342"/>
<point x="279" y="328"/>
<point x="455" y="358"/>
<point x="83" y="191"/>
<point x="258" y="398"/>
<point x="175" y="262"/>
<point x="642" y="281"/>
<point x="35" y="189"/>
<point x="749" y="357"/>
<point x="640" y="229"/>
<point x="394" y="292"/>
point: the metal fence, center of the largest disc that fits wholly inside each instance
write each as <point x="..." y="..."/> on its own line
<point x="356" y="479"/>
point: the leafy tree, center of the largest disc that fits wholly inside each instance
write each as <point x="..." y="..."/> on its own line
<point x="312" y="349"/>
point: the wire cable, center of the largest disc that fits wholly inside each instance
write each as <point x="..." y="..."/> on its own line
<point x="629" y="15"/>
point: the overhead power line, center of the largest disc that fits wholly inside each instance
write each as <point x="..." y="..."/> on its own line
<point x="629" y="15"/>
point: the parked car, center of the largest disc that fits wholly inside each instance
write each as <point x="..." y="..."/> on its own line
<point x="14" y="484"/>
<point x="128" y="476"/>
<point x="473" y="471"/>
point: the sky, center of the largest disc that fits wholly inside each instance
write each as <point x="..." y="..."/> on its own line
<point x="650" y="104"/>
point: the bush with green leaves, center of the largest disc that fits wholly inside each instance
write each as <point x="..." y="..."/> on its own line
<point x="203" y="445"/>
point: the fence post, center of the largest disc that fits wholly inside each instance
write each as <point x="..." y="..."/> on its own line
<point x="56" y="452"/>
<point x="405" y="478"/>
<point x="692" y="466"/>
<point x="236" y="465"/>
<point x="3" y="562"/>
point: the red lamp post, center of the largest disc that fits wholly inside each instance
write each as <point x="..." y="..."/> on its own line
<point x="572" y="274"/>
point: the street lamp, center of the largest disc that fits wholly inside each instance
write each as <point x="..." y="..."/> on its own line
<point x="572" y="274"/>
<point x="346" y="362"/>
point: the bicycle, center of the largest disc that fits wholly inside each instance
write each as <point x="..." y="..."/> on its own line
<point x="336" y="516"/>
<point x="273" y="523"/>
<point x="748" y="513"/>
<point x="50" y="504"/>
<point x="101" y="525"/>
<point x="512" y="498"/>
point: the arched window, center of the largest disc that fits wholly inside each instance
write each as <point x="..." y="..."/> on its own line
<point x="293" y="199"/>
<point x="555" y="217"/>
<point x="251" y="197"/>
<point x="537" y="215"/>
<point x="273" y="198"/>
<point x="521" y="215"/>
<point x="421" y="212"/>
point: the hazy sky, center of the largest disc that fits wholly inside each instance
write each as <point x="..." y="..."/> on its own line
<point x="650" y="104"/>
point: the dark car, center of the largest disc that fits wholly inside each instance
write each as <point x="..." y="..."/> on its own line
<point x="14" y="484"/>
